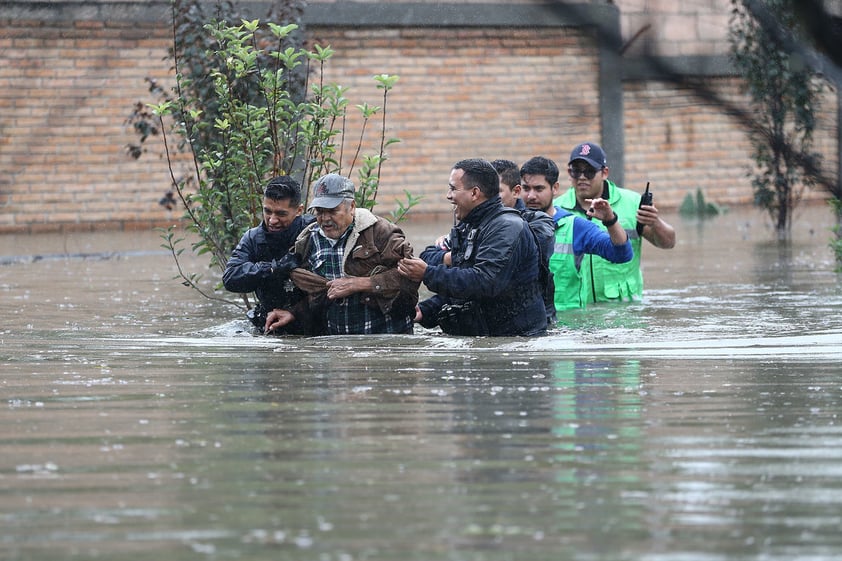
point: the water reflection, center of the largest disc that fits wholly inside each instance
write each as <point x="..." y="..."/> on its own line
<point x="140" y="421"/>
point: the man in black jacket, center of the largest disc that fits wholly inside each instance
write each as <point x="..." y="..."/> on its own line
<point x="540" y="223"/>
<point x="493" y="286"/>
<point x="261" y="262"/>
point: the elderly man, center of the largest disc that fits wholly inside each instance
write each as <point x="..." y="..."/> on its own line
<point x="493" y="286"/>
<point x="349" y="258"/>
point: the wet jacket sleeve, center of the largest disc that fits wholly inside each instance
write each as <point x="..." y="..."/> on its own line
<point x="376" y="255"/>
<point x="492" y="269"/>
<point x="590" y="238"/>
<point x="243" y="273"/>
<point x="544" y="229"/>
<point x="433" y="255"/>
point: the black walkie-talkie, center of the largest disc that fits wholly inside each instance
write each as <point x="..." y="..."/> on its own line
<point x="645" y="199"/>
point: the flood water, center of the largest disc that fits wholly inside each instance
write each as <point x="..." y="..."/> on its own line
<point x="140" y="421"/>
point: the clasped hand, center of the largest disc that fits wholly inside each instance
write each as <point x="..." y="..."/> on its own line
<point x="342" y="287"/>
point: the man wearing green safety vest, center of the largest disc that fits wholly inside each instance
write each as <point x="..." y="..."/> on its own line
<point x="603" y="281"/>
<point x="575" y="237"/>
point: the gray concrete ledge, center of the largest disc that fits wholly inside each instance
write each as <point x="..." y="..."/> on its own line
<point x="445" y="14"/>
<point x="55" y="12"/>
<point x="413" y="14"/>
<point x="658" y="67"/>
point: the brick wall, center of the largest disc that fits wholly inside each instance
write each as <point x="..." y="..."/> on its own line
<point x="66" y="88"/>
<point x="468" y="93"/>
<point x="67" y="85"/>
<point x="681" y="141"/>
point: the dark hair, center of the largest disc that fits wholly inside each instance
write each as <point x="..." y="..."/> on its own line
<point x="283" y="187"/>
<point x="508" y="172"/>
<point x="480" y="173"/>
<point x="539" y="165"/>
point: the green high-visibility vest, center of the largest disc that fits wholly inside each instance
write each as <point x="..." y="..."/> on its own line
<point x="603" y="281"/>
<point x="566" y="275"/>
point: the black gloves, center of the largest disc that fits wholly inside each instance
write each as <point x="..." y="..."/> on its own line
<point x="282" y="267"/>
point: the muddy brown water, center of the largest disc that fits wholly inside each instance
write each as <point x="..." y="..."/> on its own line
<point x="141" y="421"/>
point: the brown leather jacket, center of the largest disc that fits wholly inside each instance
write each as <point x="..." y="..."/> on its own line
<point x="373" y="249"/>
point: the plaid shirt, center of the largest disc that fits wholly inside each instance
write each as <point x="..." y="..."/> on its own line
<point x="347" y="316"/>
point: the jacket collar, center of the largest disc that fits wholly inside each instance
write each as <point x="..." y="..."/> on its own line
<point x="479" y="212"/>
<point x="363" y="218"/>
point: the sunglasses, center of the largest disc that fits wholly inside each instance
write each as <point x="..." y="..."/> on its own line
<point x="576" y="173"/>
